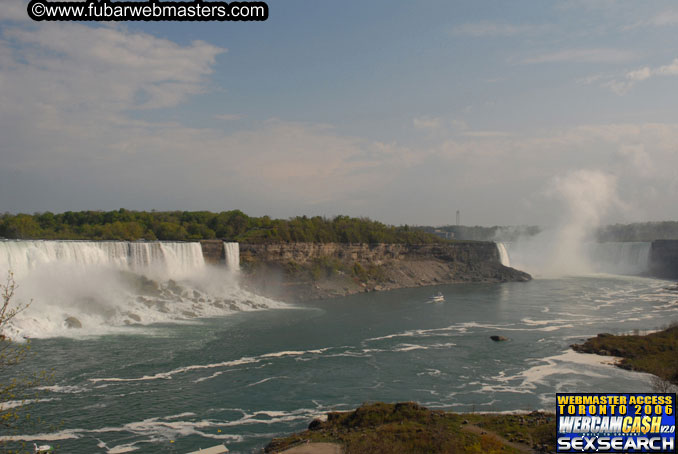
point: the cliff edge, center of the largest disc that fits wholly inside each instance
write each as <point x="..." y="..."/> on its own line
<point x="304" y="271"/>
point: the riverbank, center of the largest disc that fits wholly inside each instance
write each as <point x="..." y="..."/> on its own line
<point x="655" y="353"/>
<point x="307" y="271"/>
<point x="409" y="428"/>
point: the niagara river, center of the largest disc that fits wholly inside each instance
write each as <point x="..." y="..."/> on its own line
<point x="170" y="355"/>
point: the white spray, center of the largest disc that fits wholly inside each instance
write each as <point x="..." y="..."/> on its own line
<point x="89" y="288"/>
<point x="585" y="196"/>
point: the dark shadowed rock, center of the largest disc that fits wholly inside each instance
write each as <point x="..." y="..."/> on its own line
<point x="499" y="338"/>
<point x="316" y="424"/>
<point x="73" y="323"/>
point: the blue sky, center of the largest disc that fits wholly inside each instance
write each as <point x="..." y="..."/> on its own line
<point x="513" y="112"/>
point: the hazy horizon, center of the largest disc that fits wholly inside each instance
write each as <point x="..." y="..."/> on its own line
<point x="528" y="113"/>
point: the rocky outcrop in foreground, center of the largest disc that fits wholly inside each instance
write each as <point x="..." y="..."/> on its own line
<point x="304" y="271"/>
<point x="409" y="427"/>
<point x="654" y="353"/>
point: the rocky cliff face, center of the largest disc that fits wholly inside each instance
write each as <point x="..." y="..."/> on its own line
<point x="213" y="251"/>
<point x="311" y="270"/>
<point x="664" y="259"/>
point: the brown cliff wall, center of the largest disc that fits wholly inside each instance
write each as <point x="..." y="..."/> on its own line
<point x="314" y="270"/>
<point x="213" y="251"/>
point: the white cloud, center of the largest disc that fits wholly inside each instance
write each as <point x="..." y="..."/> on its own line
<point x="228" y="117"/>
<point x="428" y="123"/>
<point x="70" y="140"/>
<point x="106" y="68"/>
<point x="630" y="78"/>
<point x="14" y="10"/>
<point x="668" y="18"/>
<point x="439" y="125"/>
<point x="485" y="28"/>
<point x="597" y="55"/>
<point x="68" y="93"/>
<point x="589" y="4"/>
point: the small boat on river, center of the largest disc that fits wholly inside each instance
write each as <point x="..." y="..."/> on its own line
<point x="437" y="298"/>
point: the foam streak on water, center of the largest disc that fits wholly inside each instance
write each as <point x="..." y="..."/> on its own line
<point x="247" y="378"/>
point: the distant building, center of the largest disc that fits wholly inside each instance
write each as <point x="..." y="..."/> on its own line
<point x="444" y="234"/>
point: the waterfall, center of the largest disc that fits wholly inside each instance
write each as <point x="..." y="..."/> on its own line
<point x="503" y="254"/>
<point x="232" y="256"/>
<point x="83" y="288"/>
<point x="172" y="260"/>
<point x="620" y="258"/>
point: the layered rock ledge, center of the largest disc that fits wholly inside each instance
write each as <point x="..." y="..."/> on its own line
<point x="304" y="271"/>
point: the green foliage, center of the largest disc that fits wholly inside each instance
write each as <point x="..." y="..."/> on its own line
<point x="197" y="225"/>
<point x="480" y="233"/>
<point x="408" y="428"/>
<point x="655" y="353"/>
<point x="326" y="267"/>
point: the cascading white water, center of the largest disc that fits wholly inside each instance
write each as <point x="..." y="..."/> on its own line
<point x="90" y="288"/>
<point x="536" y="256"/>
<point x="171" y="260"/>
<point x="232" y="256"/>
<point x="503" y="254"/>
<point x="619" y="258"/>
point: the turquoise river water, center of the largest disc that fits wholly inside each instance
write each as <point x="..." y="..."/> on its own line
<point x="246" y="377"/>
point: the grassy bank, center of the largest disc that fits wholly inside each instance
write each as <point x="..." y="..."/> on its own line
<point x="655" y="353"/>
<point x="380" y="428"/>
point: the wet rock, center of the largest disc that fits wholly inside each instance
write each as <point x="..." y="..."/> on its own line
<point x="134" y="317"/>
<point x="72" y="323"/>
<point x="316" y="424"/>
<point x="499" y="338"/>
<point x="173" y="286"/>
<point x="148" y="286"/>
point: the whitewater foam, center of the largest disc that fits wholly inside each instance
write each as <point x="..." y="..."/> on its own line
<point x="85" y="288"/>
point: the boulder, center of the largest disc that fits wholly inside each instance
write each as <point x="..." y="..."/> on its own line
<point x="72" y="323"/>
<point x="316" y="424"/>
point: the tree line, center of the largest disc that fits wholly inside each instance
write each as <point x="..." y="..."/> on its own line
<point x="232" y="225"/>
<point x="641" y="231"/>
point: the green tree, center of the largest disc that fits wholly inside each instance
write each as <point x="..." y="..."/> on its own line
<point x="170" y="231"/>
<point x="21" y="226"/>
